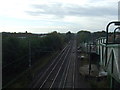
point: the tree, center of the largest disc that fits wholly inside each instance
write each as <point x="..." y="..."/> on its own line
<point x="98" y="34"/>
<point x="83" y="36"/>
<point x="68" y="36"/>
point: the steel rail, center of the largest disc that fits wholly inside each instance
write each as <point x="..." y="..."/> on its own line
<point x="51" y="71"/>
<point x="66" y="74"/>
<point x="63" y="74"/>
<point x="71" y="63"/>
<point x="74" y="69"/>
<point x="74" y="76"/>
<point x="59" y="69"/>
<point x="49" y="67"/>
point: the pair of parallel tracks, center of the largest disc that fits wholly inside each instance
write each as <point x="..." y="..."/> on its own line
<point x="55" y="76"/>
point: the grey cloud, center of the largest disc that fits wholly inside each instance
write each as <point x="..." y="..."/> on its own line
<point x="61" y="10"/>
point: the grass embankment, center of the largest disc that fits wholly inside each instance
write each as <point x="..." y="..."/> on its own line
<point x="93" y="81"/>
<point x="25" y="78"/>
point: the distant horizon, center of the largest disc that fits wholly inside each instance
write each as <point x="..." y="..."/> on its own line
<point x="49" y="32"/>
<point x="44" y="29"/>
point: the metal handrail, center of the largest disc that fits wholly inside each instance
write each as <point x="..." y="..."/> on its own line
<point x="115" y="32"/>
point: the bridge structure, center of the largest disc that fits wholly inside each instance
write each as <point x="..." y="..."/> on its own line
<point x="109" y="59"/>
<point x="109" y="54"/>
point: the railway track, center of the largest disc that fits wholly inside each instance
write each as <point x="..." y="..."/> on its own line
<point x="60" y="73"/>
<point x="68" y="78"/>
<point x="43" y="73"/>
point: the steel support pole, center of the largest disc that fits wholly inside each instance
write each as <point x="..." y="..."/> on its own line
<point x="112" y="65"/>
<point x="90" y="60"/>
<point x="29" y="54"/>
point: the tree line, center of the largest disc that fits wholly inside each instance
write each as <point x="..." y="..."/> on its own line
<point x="87" y="36"/>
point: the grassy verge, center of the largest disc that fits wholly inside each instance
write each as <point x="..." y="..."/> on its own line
<point x="25" y="78"/>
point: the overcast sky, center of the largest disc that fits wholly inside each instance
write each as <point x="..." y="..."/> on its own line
<point x="42" y="16"/>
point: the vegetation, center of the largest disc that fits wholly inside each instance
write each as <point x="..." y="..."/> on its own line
<point x="86" y="36"/>
<point x="99" y="34"/>
<point x="18" y="51"/>
<point x="83" y="36"/>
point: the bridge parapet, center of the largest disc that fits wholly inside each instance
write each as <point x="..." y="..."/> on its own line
<point x="113" y="60"/>
<point x="100" y="41"/>
<point x="109" y="57"/>
<point x="110" y="54"/>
